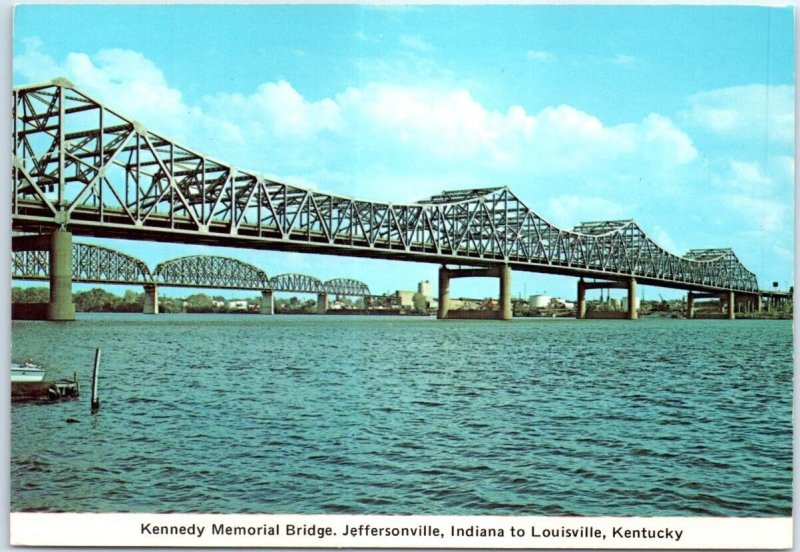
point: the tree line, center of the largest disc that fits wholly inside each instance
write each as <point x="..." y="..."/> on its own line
<point x="100" y="300"/>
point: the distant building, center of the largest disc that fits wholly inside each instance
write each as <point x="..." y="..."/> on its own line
<point x="238" y="305"/>
<point x="425" y="289"/>
<point x="404" y="298"/>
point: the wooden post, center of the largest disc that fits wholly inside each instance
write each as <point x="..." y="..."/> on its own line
<point x="95" y="398"/>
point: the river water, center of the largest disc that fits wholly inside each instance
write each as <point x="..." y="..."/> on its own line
<point x="393" y="415"/>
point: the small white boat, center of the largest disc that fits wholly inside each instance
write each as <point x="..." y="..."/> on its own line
<point x="26" y="372"/>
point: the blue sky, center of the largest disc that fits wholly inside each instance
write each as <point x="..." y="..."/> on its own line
<point x="680" y="117"/>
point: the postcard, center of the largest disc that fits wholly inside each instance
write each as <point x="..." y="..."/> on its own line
<point x="402" y="276"/>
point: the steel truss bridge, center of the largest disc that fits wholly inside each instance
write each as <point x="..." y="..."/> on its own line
<point x="102" y="265"/>
<point x="84" y="168"/>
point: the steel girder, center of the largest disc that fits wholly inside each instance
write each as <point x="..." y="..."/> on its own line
<point x="298" y="283"/>
<point x="348" y="287"/>
<point x="210" y="272"/>
<point x="90" y="264"/>
<point x="79" y="164"/>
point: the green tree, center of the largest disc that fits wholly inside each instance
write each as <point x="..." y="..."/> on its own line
<point x="30" y="295"/>
<point x="419" y="302"/>
<point x="169" y="305"/>
<point x="131" y="302"/>
<point x="199" y="302"/>
<point x="95" y="300"/>
<point x="131" y="296"/>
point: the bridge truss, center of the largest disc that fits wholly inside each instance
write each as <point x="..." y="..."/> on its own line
<point x="347" y="286"/>
<point x="206" y="271"/>
<point x="90" y="264"/>
<point x="81" y="165"/>
<point x="298" y="283"/>
<point x="102" y="265"/>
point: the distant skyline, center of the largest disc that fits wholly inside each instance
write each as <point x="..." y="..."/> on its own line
<point x="680" y="117"/>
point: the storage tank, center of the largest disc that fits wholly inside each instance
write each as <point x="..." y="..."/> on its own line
<point x="424" y="289"/>
<point x="539" y="301"/>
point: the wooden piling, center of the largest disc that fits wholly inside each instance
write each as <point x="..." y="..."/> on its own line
<point x="95" y="397"/>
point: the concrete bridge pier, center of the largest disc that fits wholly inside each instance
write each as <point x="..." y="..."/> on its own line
<point x="61" y="307"/>
<point x="444" y="293"/>
<point x="693" y="296"/>
<point x="506" y="313"/>
<point x="629" y="284"/>
<point x="633" y="308"/>
<point x="503" y="273"/>
<point x="746" y="303"/>
<point x="731" y="298"/>
<point x="150" y="299"/>
<point x="580" y="312"/>
<point x="727" y="303"/>
<point x="322" y="303"/>
<point x="58" y="244"/>
<point x="267" y="302"/>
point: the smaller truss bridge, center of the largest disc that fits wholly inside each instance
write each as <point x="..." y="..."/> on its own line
<point x="90" y="264"/>
<point x="301" y="283"/>
<point x="205" y="271"/>
<point x="102" y="265"/>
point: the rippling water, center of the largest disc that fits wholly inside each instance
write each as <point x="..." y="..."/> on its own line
<point x="379" y="415"/>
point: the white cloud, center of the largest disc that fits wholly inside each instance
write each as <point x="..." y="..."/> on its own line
<point x="35" y="65"/>
<point x="568" y="210"/>
<point x="416" y="42"/>
<point x="748" y="176"/>
<point x="277" y="108"/>
<point x="539" y="55"/>
<point x="785" y="166"/>
<point x="663" y="239"/>
<point x="764" y="214"/>
<point x="669" y="141"/>
<point x="131" y="84"/>
<point x="622" y="59"/>
<point x="417" y="137"/>
<point x="748" y="112"/>
<point x="450" y="123"/>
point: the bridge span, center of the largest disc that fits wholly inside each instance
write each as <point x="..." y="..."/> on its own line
<point x="80" y="167"/>
<point x="102" y="265"/>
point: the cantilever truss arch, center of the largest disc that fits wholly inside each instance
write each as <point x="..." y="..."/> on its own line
<point x="80" y="165"/>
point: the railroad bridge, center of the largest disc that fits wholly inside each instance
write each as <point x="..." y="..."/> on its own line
<point x="101" y="265"/>
<point x="82" y="168"/>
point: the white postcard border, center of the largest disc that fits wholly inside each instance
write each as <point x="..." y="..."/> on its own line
<point x="343" y="531"/>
